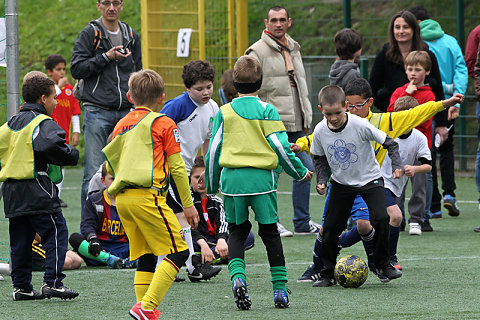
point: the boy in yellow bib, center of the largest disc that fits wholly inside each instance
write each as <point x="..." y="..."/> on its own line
<point x="144" y="151"/>
<point x="249" y="145"/>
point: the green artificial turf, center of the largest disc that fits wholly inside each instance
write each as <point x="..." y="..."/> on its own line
<point x="440" y="279"/>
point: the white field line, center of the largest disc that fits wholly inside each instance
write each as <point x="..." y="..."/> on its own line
<point x="289" y="193"/>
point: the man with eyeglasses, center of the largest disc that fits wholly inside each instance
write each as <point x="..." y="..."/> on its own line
<point x="106" y="52"/>
<point x="284" y="86"/>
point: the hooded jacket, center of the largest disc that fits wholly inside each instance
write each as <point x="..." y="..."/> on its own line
<point x="276" y="89"/>
<point x="38" y="195"/>
<point x="449" y="56"/>
<point x="105" y="81"/>
<point x="342" y="72"/>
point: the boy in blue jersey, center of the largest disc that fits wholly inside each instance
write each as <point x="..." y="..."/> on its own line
<point x="249" y="145"/>
<point x="193" y="112"/>
<point x="102" y="240"/>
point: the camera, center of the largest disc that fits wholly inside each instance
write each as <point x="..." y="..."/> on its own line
<point x="122" y="51"/>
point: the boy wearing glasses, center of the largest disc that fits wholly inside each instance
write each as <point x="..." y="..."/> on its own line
<point x="106" y="52"/>
<point x="359" y="101"/>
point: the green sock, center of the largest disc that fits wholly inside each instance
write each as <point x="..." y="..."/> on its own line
<point x="279" y="277"/>
<point x="236" y="267"/>
<point x="83" y="250"/>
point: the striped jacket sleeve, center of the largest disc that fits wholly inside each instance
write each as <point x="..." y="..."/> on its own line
<point x="212" y="166"/>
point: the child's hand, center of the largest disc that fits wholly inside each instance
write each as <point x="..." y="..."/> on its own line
<point x="62" y="82"/>
<point x="207" y="254"/>
<point x="409" y="171"/>
<point x="222" y="248"/>
<point x="295" y="147"/>
<point x="308" y="176"/>
<point x="191" y="215"/>
<point x="398" y="173"/>
<point x="74" y="140"/>
<point x="201" y="180"/>
<point x="453" y="113"/>
<point x="321" y="188"/>
<point x="411" y="88"/>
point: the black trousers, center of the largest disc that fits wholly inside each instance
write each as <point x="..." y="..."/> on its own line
<point x="52" y="228"/>
<point x="338" y="210"/>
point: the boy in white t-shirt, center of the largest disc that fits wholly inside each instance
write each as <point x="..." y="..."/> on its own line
<point x="413" y="148"/>
<point x="342" y="142"/>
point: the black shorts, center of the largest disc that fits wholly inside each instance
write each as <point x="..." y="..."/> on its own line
<point x="173" y="198"/>
<point x="38" y="257"/>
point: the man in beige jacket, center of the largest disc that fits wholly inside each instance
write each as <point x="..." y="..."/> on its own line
<point x="284" y="86"/>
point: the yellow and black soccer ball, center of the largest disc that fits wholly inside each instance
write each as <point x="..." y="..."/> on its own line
<point x="351" y="271"/>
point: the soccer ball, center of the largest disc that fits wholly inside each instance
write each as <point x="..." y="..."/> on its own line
<point x="351" y="271"/>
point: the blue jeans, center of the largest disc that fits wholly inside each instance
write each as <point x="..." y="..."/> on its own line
<point x="477" y="168"/>
<point x="301" y="190"/>
<point x="98" y="123"/>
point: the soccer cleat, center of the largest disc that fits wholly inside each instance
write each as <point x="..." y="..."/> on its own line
<point x="137" y="312"/>
<point x="309" y="275"/>
<point x="394" y="262"/>
<point x="415" y="229"/>
<point x="324" y="282"/>
<point x="450" y="204"/>
<point x="20" y="294"/>
<point x="388" y="272"/>
<point x="436" y="215"/>
<point x="203" y="272"/>
<point x="62" y="292"/>
<point x="240" y="294"/>
<point x="114" y="262"/>
<point x="283" y="231"/>
<point x="128" y="264"/>
<point x="63" y="204"/>
<point x="179" y="279"/>
<point x="476" y="229"/>
<point x="314" y="229"/>
<point x="426" y="226"/>
<point x="280" y="298"/>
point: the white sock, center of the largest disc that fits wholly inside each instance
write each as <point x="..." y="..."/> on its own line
<point x="59" y="185"/>
<point x="159" y="260"/>
<point x="188" y="238"/>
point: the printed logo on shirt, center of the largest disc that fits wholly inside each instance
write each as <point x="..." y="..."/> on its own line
<point x="176" y="135"/>
<point x="68" y="92"/>
<point x="342" y="154"/>
<point x="210" y="123"/>
<point x="192" y="118"/>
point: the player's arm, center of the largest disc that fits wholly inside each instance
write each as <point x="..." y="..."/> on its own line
<point x="90" y="221"/>
<point x="392" y="149"/>
<point x="286" y="158"/>
<point x="304" y="143"/>
<point x="321" y="169"/>
<point x="51" y="143"/>
<point x="180" y="176"/>
<point x="212" y="156"/>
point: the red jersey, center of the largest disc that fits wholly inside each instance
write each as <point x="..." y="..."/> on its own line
<point x="67" y="107"/>
<point x="422" y="95"/>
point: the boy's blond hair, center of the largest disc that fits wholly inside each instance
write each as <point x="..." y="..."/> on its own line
<point x="418" y="57"/>
<point x="145" y="87"/>
<point x="331" y="95"/>
<point x="405" y="103"/>
<point x="32" y="74"/>
<point x="247" y="70"/>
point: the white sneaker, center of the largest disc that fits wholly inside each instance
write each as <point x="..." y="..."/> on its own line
<point x="315" y="224"/>
<point x="1" y="278"/>
<point x="314" y="229"/>
<point x="415" y="229"/>
<point x="283" y="231"/>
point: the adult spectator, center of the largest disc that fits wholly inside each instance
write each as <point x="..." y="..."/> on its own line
<point x="473" y="65"/>
<point x="284" y="86"/>
<point x="388" y="73"/>
<point x="454" y="80"/>
<point x="106" y="52"/>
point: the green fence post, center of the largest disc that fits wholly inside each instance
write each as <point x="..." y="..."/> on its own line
<point x="460" y="25"/>
<point x="347" y="14"/>
<point x="364" y="67"/>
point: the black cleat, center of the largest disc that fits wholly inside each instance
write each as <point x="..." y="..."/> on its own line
<point x="240" y="293"/>
<point x="310" y="275"/>
<point x="426" y="226"/>
<point x="388" y="272"/>
<point x="280" y="298"/>
<point x="20" y="294"/>
<point x="62" y="292"/>
<point x="324" y="282"/>
<point x="203" y="272"/>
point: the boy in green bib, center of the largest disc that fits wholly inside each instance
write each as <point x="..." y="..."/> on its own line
<point x="248" y="148"/>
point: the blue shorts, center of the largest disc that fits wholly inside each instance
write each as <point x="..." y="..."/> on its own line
<point x="359" y="208"/>
<point x="390" y="198"/>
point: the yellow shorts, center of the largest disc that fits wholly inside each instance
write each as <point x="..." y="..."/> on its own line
<point x="151" y="225"/>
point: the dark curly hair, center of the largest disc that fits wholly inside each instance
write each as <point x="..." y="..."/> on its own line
<point x="197" y="70"/>
<point x="52" y="61"/>
<point x="35" y="87"/>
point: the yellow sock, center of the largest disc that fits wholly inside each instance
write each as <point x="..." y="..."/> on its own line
<point x="161" y="282"/>
<point x="141" y="283"/>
